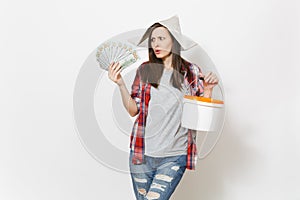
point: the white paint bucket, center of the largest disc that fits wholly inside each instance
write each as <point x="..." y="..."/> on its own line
<point x="202" y="114"/>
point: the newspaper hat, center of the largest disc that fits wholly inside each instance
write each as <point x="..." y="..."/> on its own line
<point x="172" y="24"/>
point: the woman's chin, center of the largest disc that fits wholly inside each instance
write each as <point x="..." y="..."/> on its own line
<point x="161" y="56"/>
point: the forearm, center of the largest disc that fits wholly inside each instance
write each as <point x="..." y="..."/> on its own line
<point x="128" y="102"/>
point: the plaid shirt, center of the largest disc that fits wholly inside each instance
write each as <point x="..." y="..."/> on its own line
<point x="140" y="92"/>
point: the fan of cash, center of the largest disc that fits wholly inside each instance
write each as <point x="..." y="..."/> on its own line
<point x="113" y="51"/>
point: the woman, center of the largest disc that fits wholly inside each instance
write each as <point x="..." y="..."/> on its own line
<point x="161" y="150"/>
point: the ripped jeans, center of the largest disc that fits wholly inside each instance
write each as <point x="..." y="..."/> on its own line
<point x="157" y="178"/>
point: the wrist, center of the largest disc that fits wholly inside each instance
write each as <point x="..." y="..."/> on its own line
<point x="121" y="83"/>
<point x="207" y="93"/>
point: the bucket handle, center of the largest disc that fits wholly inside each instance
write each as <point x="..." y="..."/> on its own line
<point x="186" y="89"/>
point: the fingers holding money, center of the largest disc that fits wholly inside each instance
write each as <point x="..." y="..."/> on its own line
<point x="114" y="71"/>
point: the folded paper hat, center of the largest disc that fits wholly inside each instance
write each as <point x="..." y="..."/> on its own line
<point x="172" y="24"/>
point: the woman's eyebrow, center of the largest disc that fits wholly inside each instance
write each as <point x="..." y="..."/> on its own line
<point x="158" y="36"/>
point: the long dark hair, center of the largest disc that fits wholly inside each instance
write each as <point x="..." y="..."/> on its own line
<point x="152" y="71"/>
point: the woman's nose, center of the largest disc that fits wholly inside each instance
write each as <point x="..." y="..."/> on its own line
<point x="155" y="43"/>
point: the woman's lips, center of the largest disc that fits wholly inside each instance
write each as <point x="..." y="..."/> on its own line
<point x="157" y="51"/>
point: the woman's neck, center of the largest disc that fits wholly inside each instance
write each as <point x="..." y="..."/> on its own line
<point x="168" y="62"/>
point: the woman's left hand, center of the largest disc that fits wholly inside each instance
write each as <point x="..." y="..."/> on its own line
<point x="210" y="81"/>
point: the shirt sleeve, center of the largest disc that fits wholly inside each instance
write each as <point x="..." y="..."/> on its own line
<point x="136" y="89"/>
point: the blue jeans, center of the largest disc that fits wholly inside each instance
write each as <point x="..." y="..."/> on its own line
<point x="157" y="178"/>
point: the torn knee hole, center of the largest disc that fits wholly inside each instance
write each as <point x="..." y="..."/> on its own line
<point x="140" y="180"/>
<point x="175" y="168"/>
<point x="142" y="191"/>
<point x="152" y="195"/>
<point x="163" y="177"/>
<point x="158" y="186"/>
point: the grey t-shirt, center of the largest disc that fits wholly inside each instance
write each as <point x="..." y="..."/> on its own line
<point x="163" y="134"/>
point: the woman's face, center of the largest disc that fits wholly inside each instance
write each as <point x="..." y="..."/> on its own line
<point x="161" y="42"/>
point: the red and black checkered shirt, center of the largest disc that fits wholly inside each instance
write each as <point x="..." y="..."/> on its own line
<point x="140" y="92"/>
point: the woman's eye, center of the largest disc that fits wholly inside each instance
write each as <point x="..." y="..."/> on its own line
<point x="161" y="38"/>
<point x="152" y="39"/>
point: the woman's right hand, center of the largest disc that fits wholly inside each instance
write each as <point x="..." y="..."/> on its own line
<point x="114" y="71"/>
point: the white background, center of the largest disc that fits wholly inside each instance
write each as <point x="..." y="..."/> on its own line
<point x="254" y="44"/>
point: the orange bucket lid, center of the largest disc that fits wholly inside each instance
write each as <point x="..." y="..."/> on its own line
<point x="204" y="99"/>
